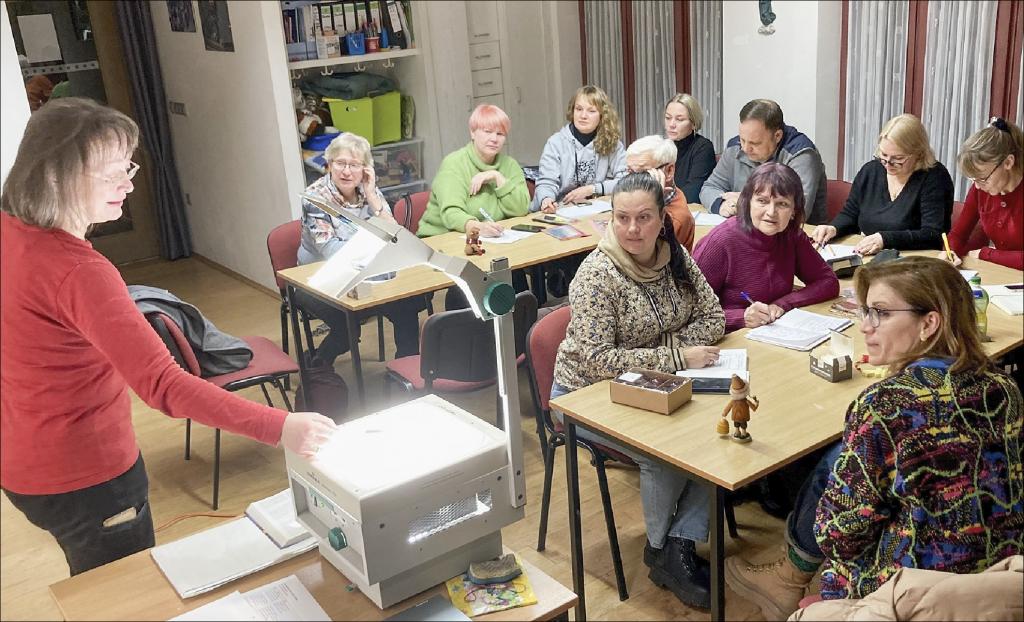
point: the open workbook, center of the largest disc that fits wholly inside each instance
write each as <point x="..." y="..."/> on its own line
<point x="799" y="330"/>
<point x="716" y="378"/>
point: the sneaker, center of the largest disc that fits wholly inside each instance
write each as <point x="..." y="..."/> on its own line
<point x="775" y="587"/>
<point x="684" y="573"/>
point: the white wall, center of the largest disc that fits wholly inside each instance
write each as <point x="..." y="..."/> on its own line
<point x="14" y="110"/>
<point x="237" y="151"/>
<point x="798" y="67"/>
<point x="565" y="74"/>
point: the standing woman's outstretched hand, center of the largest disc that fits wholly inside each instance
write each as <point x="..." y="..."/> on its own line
<point x="305" y="432"/>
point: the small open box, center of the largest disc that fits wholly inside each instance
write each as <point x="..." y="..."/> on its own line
<point x="834" y="362"/>
<point x="651" y="390"/>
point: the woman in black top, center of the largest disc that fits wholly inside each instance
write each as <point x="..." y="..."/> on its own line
<point x="695" y="155"/>
<point x="901" y="199"/>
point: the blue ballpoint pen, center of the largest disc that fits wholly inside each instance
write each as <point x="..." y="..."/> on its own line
<point x="747" y="297"/>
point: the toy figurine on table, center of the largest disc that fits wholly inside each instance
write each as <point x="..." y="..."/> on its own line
<point x="739" y="406"/>
<point x="473" y="244"/>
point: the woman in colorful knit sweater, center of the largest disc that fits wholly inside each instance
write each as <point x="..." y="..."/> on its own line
<point x="929" y="471"/>
<point x="639" y="300"/>
<point x="477" y="185"/>
<point x="756" y="255"/>
<point x="993" y="158"/>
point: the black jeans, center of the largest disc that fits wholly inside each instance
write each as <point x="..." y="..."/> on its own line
<point x="404" y="316"/>
<point x="76" y="519"/>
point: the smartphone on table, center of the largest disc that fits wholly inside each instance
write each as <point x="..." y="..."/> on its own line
<point x="527" y="228"/>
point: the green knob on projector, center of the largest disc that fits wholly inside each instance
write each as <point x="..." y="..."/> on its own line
<point x="337" y="538"/>
<point x="500" y="298"/>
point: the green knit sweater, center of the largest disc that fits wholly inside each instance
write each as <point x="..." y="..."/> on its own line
<point x="451" y="205"/>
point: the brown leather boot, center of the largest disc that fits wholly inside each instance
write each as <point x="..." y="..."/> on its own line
<point x="775" y="587"/>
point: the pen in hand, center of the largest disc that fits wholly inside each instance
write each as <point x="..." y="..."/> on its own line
<point x="747" y="297"/>
<point x="486" y="216"/>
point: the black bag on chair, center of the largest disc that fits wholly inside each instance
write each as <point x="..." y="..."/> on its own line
<point x="325" y="393"/>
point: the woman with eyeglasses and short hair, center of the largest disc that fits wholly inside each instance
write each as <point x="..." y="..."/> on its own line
<point x="73" y="342"/>
<point x="351" y="183"/>
<point x="902" y="199"/>
<point x="993" y="159"/>
<point x="928" y="473"/>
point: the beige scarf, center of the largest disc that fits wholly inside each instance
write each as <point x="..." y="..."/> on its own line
<point x="625" y="262"/>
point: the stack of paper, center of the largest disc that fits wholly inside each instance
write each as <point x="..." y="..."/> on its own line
<point x="211" y="558"/>
<point x="287" y="599"/>
<point x="1009" y="298"/>
<point x="798" y="330"/>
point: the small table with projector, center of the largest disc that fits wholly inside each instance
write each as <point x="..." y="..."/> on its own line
<point x="799" y="413"/>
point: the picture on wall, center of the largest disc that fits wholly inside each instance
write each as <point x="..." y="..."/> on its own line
<point x="213" y="14"/>
<point x="181" y="15"/>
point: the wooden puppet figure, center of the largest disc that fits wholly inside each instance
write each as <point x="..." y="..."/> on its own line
<point x="473" y="244"/>
<point x="739" y="406"/>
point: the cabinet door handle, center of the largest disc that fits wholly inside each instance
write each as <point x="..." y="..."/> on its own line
<point x="485" y="83"/>
<point x="482" y="34"/>
<point x="519" y="95"/>
<point x="478" y="57"/>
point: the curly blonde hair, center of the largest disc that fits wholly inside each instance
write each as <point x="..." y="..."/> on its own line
<point x="608" y="129"/>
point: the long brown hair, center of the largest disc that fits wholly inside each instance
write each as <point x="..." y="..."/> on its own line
<point x="608" y="130"/>
<point x="929" y="284"/>
<point x="63" y="141"/>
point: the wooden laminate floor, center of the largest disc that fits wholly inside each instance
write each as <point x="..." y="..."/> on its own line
<point x="30" y="559"/>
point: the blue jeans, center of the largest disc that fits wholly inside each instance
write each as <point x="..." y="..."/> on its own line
<point x="800" y="522"/>
<point x="76" y="519"/>
<point x="674" y="505"/>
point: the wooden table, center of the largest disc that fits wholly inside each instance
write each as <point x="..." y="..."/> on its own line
<point x="133" y="588"/>
<point x="799" y="413"/>
<point x="528" y="252"/>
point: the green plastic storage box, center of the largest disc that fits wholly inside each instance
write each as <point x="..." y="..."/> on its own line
<point x="377" y="119"/>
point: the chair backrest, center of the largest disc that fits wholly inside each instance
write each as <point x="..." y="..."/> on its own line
<point x="541" y="351"/>
<point x="836" y="192"/>
<point x="410" y="208"/>
<point x="175" y="341"/>
<point x="456" y="345"/>
<point x="531" y="187"/>
<point x="977" y="239"/>
<point x="283" y="247"/>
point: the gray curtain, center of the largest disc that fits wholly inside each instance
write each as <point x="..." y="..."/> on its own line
<point x="957" y="78"/>
<point x="876" y="72"/>
<point x="654" y="63"/>
<point x="136" y="26"/>
<point x="706" y="67"/>
<point x="604" y="52"/>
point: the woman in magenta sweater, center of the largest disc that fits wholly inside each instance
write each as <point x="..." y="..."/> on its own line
<point x="73" y="343"/>
<point x="993" y="158"/>
<point x="750" y="260"/>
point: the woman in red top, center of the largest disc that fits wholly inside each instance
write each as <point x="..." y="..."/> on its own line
<point x="993" y="158"/>
<point x="72" y="343"/>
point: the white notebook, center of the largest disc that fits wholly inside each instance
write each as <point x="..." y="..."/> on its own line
<point x="1009" y="298"/>
<point x="799" y="330"/>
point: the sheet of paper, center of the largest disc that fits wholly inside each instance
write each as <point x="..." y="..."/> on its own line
<point x="813" y="322"/>
<point x="968" y="274"/>
<point x="508" y="236"/>
<point x="286" y="599"/>
<point x="211" y="558"/>
<point x="708" y="220"/>
<point x="730" y="359"/>
<point x="787" y="337"/>
<point x="40" y="38"/>
<point x="836" y="251"/>
<point x="231" y="607"/>
<point x="582" y="211"/>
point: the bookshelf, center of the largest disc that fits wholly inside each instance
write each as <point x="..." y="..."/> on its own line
<point x="317" y="63"/>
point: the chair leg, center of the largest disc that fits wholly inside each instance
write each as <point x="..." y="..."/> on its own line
<point x="216" y="470"/>
<point x="380" y="337"/>
<point x="730" y="517"/>
<point x="309" y="334"/>
<point x="549" y="470"/>
<point x="609" y="519"/>
<point x="188" y="438"/>
<point x="282" y="389"/>
<point x="266" y="395"/>
<point x="284" y="340"/>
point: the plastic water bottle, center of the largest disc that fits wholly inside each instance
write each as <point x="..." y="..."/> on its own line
<point x="980" y="305"/>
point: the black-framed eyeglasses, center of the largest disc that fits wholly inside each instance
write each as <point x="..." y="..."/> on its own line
<point x="893" y="162"/>
<point x="874" y="315"/>
<point x="981" y="180"/>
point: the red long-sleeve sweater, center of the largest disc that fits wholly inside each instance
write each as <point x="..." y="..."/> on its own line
<point x="71" y="343"/>
<point x="734" y="261"/>
<point x="1002" y="220"/>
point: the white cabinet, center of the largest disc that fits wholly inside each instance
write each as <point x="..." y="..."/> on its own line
<point x="484" y="55"/>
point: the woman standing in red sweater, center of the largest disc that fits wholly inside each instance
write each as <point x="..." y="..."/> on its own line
<point x="993" y="158"/>
<point x="72" y="343"/>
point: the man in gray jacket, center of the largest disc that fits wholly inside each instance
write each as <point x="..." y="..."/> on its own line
<point x="764" y="138"/>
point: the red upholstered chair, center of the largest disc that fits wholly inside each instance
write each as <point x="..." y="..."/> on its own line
<point x="269" y="365"/>
<point x="541" y="351"/>
<point x="457" y="351"/>
<point x="836" y="192"/>
<point x="410" y="208"/>
<point x="283" y="246"/>
<point x="977" y="239"/>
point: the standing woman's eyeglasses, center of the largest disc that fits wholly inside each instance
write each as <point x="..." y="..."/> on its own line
<point x="124" y="176"/>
